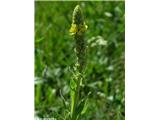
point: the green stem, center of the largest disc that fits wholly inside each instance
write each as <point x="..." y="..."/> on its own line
<point x="76" y="99"/>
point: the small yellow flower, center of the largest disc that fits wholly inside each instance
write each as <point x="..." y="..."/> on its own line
<point x="74" y="29"/>
<point x="78" y="29"/>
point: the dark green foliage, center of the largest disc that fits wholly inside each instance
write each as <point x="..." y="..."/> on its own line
<point x="54" y="59"/>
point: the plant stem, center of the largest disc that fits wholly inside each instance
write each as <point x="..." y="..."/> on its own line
<point x="78" y="29"/>
<point x="76" y="99"/>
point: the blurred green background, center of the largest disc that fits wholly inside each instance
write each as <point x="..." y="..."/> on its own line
<point x="54" y="57"/>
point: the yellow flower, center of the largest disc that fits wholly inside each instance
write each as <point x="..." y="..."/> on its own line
<point x="74" y="29"/>
<point x="78" y="29"/>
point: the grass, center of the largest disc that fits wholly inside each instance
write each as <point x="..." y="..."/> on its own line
<point x="54" y="59"/>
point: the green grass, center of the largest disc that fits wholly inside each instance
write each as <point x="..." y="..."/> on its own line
<point x="55" y="57"/>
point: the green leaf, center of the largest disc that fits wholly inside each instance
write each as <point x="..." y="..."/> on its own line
<point x="64" y="101"/>
<point x="72" y="99"/>
<point x="85" y="107"/>
<point x="80" y="106"/>
<point x="73" y="84"/>
<point x="39" y="40"/>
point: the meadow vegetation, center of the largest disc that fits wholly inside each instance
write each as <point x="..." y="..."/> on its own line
<point x="55" y="59"/>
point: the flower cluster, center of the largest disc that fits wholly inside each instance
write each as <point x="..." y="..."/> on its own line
<point x="78" y="29"/>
